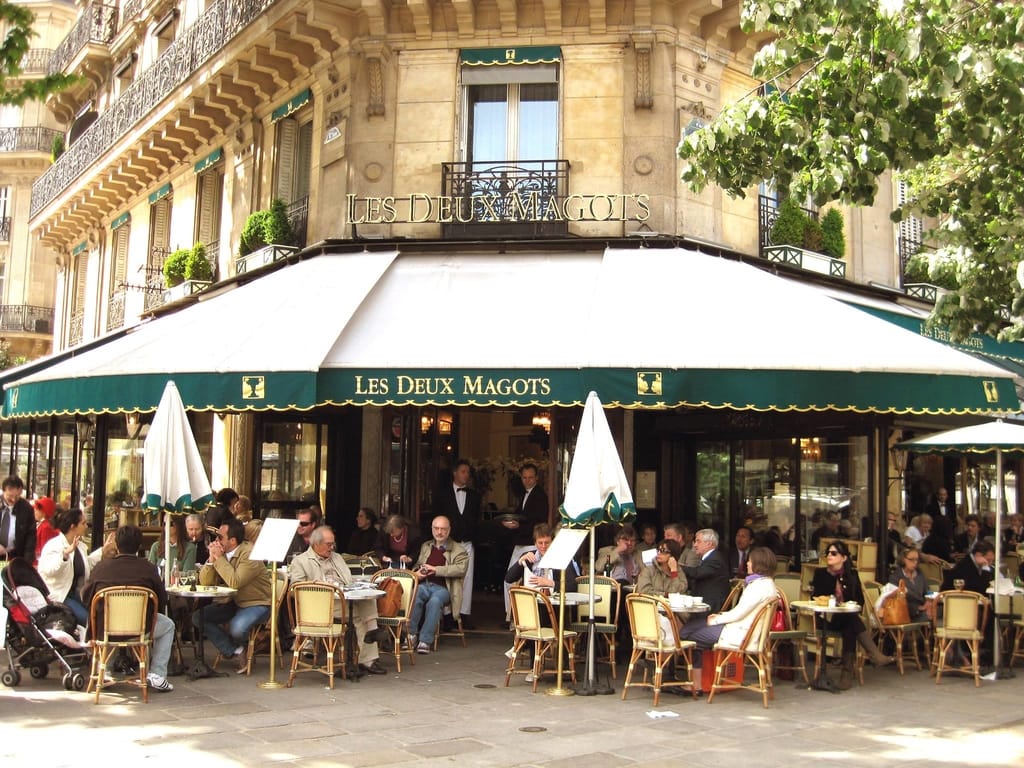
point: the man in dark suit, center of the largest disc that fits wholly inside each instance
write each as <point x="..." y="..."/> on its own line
<point x="943" y="512"/>
<point x="17" y="522"/>
<point x="977" y="569"/>
<point x="535" y="509"/>
<point x="710" y="579"/>
<point x="461" y="505"/>
<point x="744" y="540"/>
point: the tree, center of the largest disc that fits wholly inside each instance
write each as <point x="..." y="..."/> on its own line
<point x="13" y="48"/>
<point x="928" y="89"/>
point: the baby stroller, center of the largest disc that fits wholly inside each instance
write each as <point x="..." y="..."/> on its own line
<point x="38" y="632"/>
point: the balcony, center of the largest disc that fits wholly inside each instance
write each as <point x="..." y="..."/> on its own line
<point x="5" y="229"/>
<point x="193" y="48"/>
<point x="77" y="329"/>
<point x="27" y="139"/>
<point x="504" y="200"/>
<point x="115" y="309"/>
<point x="25" y="318"/>
<point x="96" y="26"/>
<point x="36" y="62"/>
<point x="298" y="217"/>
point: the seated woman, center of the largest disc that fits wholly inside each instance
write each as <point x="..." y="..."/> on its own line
<point x="397" y="546"/>
<point x="839" y="579"/>
<point x="64" y="562"/>
<point x="182" y="554"/>
<point x="663" y="575"/>
<point x="732" y="626"/>
<point x="917" y="584"/>
<point x="364" y="537"/>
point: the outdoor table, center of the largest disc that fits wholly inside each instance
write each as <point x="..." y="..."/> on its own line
<point x="1011" y="593"/>
<point x="573" y="598"/>
<point x="821" y="681"/>
<point x="200" y="596"/>
<point x="356" y="593"/>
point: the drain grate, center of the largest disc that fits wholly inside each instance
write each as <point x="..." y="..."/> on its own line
<point x="533" y="729"/>
<point x="485" y="685"/>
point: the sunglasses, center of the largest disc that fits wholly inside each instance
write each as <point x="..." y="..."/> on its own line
<point x="305" y="523"/>
<point x="833" y="552"/>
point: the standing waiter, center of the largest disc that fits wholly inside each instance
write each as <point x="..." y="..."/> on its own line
<point x="461" y="505"/>
<point x="535" y="509"/>
<point x="17" y="522"/>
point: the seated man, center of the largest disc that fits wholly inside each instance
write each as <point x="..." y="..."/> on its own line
<point x="710" y="579"/>
<point x="963" y="543"/>
<point x="128" y="569"/>
<point x="976" y="570"/>
<point x="321" y="563"/>
<point x="229" y="565"/>
<point x="621" y="561"/>
<point x="663" y="575"/>
<point x="440" y="569"/>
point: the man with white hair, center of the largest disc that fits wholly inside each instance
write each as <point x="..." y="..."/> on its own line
<point x="709" y="579"/>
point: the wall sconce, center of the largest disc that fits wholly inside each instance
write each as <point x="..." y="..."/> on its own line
<point x="899" y="460"/>
<point x="444" y="423"/>
<point x="426" y="422"/>
<point x="133" y="423"/>
<point x="542" y="419"/>
<point x="84" y="426"/>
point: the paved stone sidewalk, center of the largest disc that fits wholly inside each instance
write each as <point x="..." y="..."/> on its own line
<point x="452" y="708"/>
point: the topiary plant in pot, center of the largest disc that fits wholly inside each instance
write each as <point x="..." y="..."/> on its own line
<point x="174" y="267"/>
<point x="197" y="266"/>
<point x="833" y="239"/>
<point x="252" y="237"/>
<point x="277" y="229"/>
<point x="789" y="225"/>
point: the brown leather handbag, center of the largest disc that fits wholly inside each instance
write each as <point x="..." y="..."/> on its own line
<point x="894" y="609"/>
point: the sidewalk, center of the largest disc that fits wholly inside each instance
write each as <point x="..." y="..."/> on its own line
<point x="452" y="707"/>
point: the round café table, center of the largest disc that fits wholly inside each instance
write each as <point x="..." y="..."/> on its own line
<point x="356" y="593"/>
<point x="821" y="681"/>
<point x="200" y="596"/>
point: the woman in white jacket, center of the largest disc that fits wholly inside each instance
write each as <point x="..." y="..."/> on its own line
<point x="65" y="563"/>
<point x="730" y="627"/>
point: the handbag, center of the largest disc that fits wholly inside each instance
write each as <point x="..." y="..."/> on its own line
<point x="779" y="619"/>
<point x="894" y="609"/>
<point x="390" y="604"/>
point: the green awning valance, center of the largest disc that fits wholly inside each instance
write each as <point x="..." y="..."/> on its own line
<point x="79" y="248"/>
<point x="211" y="159"/>
<point x="160" y="194"/>
<point x="536" y="54"/>
<point x="120" y="221"/>
<point x="294" y="103"/>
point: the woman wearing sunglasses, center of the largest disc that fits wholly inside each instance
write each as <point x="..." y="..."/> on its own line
<point x="839" y="579"/>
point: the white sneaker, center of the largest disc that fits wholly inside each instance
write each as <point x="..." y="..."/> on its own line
<point x="530" y="677"/>
<point x="510" y="653"/>
<point x="423" y="648"/>
<point x="158" y="683"/>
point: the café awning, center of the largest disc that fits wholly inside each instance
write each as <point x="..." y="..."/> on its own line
<point x="645" y="328"/>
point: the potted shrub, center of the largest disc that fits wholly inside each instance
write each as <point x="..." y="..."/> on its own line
<point x="814" y="236"/>
<point x="57" y="147"/>
<point x="174" y="267"/>
<point x="266" y="236"/>
<point x="789" y="225"/>
<point x="277" y="230"/>
<point x="926" y="275"/>
<point x="833" y="239"/>
<point x="252" y="238"/>
<point x="197" y="266"/>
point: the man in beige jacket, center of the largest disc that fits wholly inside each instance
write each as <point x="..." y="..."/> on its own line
<point x="229" y="565"/>
<point x="440" y="568"/>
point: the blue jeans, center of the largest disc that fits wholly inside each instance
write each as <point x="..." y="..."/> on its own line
<point x="74" y="602"/>
<point x="431" y="599"/>
<point x="238" y="620"/>
<point x="163" y="640"/>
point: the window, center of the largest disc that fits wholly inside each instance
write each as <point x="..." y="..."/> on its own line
<point x="5" y="215"/>
<point x="209" y="190"/>
<point x="910" y="231"/>
<point x="118" y="276"/>
<point x="294" y="156"/>
<point x="159" y="249"/>
<point x="512" y="122"/>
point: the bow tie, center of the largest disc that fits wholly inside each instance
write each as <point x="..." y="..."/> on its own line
<point x="460" y="490"/>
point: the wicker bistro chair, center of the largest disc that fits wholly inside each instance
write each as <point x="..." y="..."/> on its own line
<point x="1008" y="610"/>
<point x="311" y="610"/>
<point x="645" y="612"/>
<point x="796" y="638"/>
<point x="904" y="634"/>
<point x="606" y="614"/>
<point x="756" y="648"/>
<point x="1017" y="652"/>
<point x="121" y="617"/>
<point x="527" y="605"/>
<point x="398" y="626"/>
<point x="963" y="617"/>
<point x="259" y="635"/>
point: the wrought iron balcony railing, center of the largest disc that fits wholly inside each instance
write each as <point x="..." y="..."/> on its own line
<point x="77" y="329"/>
<point x="36" y="61"/>
<point x="97" y="24"/>
<point x="192" y="49"/>
<point x="31" y="138"/>
<point x="26" y="318"/>
<point x="130" y="9"/>
<point x="5" y="229"/>
<point x="298" y="217"/>
<point x="504" y="199"/>
<point x="767" y="212"/>
<point x="115" y="309"/>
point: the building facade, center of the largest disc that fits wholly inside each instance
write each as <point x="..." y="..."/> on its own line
<point x="472" y="129"/>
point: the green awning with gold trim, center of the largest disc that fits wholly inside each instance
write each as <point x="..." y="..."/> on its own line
<point x="527" y="54"/>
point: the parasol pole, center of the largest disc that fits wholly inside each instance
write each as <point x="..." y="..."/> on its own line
<point x="558" y="690"/>
<point x="167" y="548"/>
<point x="591" y="687"/>
<point x="996" y="640"/>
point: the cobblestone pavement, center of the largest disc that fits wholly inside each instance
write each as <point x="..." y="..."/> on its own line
<point x="452" y="708"/>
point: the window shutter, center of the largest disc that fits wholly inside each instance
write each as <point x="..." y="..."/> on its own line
<point x="81" y="265"/>
<point x="5" y="201"/>
<point x="911" y="228"/>
<point x="303" y="160"/>
<point x="159" y="231"/>
<point x="119" y="258"/>
<point x="210" y="186"/>
<point x="287" y="130"/>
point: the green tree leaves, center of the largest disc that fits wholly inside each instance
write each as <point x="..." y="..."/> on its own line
<point x="13" y="47"/>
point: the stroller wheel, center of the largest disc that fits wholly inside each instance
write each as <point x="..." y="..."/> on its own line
<point x="78" y="681"/>
<point x="66" y="681"/>
<point x="11" y="678"/>
<point x="39" y="671"/>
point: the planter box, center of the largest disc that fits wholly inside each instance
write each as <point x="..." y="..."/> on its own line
<point x="265" y="255"/>
<point x="924" y="291"/>
<point x="809" y="260"/>
<point x="184" y="289"/>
